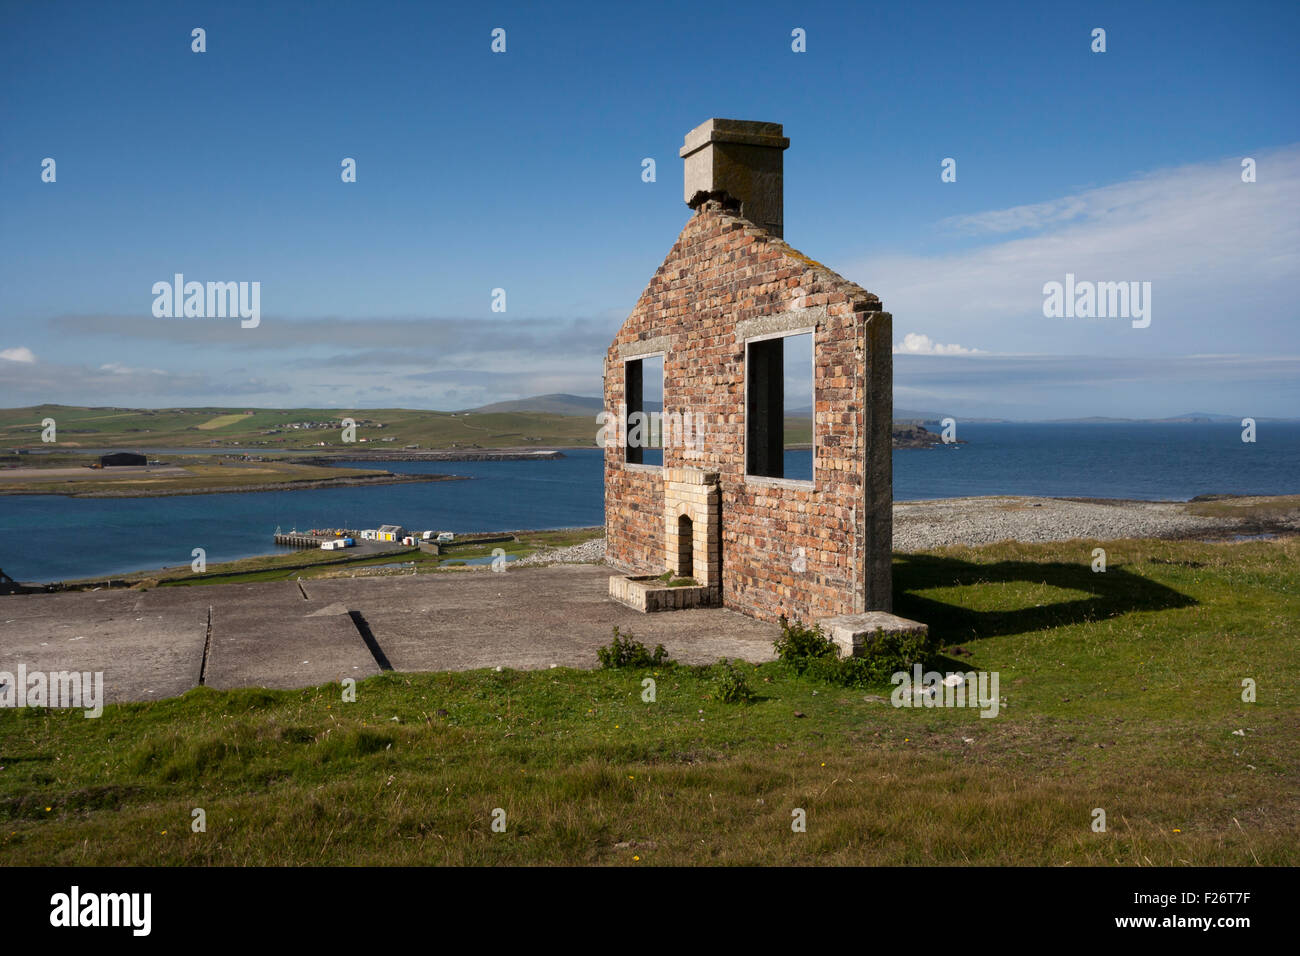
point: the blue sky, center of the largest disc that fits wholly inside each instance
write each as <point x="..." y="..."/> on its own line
<point x="522" y="171"/>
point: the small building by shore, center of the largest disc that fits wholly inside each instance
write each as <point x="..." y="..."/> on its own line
<point x="121" y="458"/>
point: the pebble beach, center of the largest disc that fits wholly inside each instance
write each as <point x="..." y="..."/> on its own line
<point x="924" y="525"/>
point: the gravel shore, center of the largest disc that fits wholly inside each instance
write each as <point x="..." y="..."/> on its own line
<point x="922" y="525"/>
<point x="589" y="552"/>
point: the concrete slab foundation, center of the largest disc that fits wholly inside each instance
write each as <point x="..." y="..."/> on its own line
<point x="150" y="644"/>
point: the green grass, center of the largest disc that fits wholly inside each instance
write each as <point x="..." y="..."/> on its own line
<point x="672" y="581"/>
<point x="199" y="427"/>
<point x="288" y="565"/>
<point x="1123" y="691"/>
<point x="201" y="474"/>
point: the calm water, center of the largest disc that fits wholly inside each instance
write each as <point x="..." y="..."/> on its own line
<point x="49" y="537"/>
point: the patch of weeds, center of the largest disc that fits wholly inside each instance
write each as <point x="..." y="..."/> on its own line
<point x="799" y="646"/>
<point x="624" y="651"/>
<point x="730" y="686"/>
<point x="808" y="651"/>
<point x="675" y="582"/>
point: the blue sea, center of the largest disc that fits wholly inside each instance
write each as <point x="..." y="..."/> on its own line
<point x="51" y="537"/>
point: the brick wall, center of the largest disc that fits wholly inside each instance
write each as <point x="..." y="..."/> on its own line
<point x="724" y="281"/>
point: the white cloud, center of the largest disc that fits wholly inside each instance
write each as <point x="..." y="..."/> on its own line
<point x="35" y="383"/>
<point x="435" y="362"/>
<point x="1034" y="216"/>
<point x="117" y="368"/>
<point x="916" y="344"/>
<point x="18" y="354"/>
<point x="1048" y="386"/>
<point x="1223" y="258"/>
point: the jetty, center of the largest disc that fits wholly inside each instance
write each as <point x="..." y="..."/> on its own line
<point x="464" y="454"/>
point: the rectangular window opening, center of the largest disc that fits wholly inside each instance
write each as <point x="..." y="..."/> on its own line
<point x="644" y="396"/>
<point x="780" y="407"/>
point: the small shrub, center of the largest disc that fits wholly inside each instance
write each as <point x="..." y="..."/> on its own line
<point x="809" y="652"/>
<point x="886" y="654"/>
<point x="799" y="646"/>
<point x="730" y="684"/>
<point x="626" y="652"/>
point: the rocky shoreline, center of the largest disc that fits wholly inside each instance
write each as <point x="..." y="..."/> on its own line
<point x="918" y="436"/>
<point x="924" y="525"/>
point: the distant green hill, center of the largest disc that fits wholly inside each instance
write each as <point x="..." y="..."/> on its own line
<point x="263" y="429"/>
<point x="557" y="403"/>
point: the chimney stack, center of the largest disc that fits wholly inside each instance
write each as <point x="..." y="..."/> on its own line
<point x="740" y="160"/>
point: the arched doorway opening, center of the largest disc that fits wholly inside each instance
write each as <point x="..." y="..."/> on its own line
<point x="685" y="546"/>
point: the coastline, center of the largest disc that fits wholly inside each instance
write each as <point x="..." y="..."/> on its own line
<point x="433" y="454"/>
<point x="252" y="488"/>
<point x="930" y="524"/>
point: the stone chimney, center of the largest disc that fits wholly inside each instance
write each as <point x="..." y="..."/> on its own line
<point x="740" y="161"/>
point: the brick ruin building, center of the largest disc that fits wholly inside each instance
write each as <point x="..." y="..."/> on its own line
<point x="716" y="317"/>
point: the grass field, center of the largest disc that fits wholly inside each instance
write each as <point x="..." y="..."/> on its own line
<point x="201" y="474"/>
<point x="222" y="421"/>
<point x="1123" y="691"/>
<point x="289" y="565"/>
<point x="265" y="429"/>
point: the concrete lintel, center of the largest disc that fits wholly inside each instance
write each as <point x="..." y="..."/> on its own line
<point x="659" y="343"/>
<point x="780" y="322"/>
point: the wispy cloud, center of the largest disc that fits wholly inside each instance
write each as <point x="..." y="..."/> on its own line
<point x="434" y="334"/>
<point x="34" y="383"/>
<point x="1223" y="258"/>
<point x="1051" y="386"/>
<point x="1035" y="216"/>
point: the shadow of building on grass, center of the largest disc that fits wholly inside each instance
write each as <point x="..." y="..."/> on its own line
<point x="1110" y="593"/>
